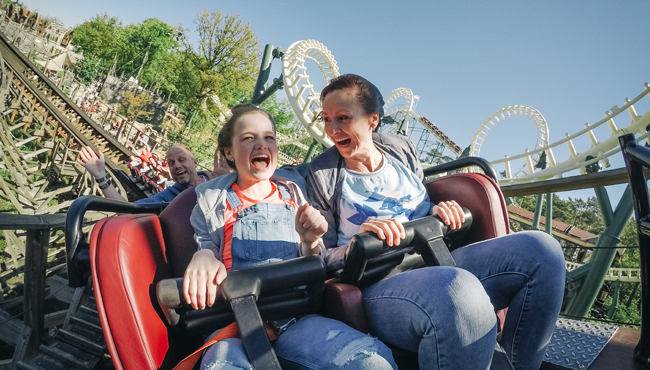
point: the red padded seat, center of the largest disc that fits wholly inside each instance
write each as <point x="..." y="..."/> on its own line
<point x="128" y="259"/>
<point x="481" y="195"/>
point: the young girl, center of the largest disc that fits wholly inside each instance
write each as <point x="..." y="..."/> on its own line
<point x="259" y="215"/>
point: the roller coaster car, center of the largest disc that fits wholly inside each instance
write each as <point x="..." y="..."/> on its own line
<point x="132" y="255"/>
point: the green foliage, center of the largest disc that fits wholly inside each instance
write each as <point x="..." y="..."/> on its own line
<point x="226" y="57"/>
<point x="577" y="212"/>
<point x="134" y="105"/>
<point x="88" y="69"/>
<point x="98" y="37"/>
<point x="146" y="45"/>
<point x="223" y="62"/>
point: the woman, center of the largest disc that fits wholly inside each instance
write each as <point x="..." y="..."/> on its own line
<point x="373" y="182"/>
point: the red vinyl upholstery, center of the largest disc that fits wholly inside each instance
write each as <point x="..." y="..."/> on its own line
<point x="481" y="195"/>
<point x="128" y="259"/>
<point x="178" y="232"/>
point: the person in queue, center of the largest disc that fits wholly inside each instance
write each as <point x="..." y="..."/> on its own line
<point x="373" y="182"/>
<point x="182" y="167"/>
<point x="259" y="215"/>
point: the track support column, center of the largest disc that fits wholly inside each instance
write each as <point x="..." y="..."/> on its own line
<point x="603" y="256"/>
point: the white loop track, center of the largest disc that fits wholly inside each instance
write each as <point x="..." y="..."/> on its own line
<point x="599" y="151"/>
<point x="507" y="112"/>
<point x="302" y="97"/>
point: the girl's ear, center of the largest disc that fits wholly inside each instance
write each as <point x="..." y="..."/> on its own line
<point x="229" y="154"/>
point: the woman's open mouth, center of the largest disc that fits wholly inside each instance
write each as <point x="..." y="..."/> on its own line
<point x="261" y="161"/>
<point x="343" y="142"/>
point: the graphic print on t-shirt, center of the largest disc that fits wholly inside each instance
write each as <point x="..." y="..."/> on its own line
<point x="390" y="192"/>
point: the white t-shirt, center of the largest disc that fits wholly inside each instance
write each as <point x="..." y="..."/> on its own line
<point x="393" y="191"/>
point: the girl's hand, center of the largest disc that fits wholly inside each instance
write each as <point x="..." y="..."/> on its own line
<point x="204" y="273"/>
<point x="390" y="230"/>
<point x="310" y="224"/>
<point x="450" y="213"/>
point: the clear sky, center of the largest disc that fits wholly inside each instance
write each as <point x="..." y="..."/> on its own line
<point x="571" y="60"/>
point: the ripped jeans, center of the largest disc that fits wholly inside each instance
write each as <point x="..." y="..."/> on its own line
<point x="314" y="342"/>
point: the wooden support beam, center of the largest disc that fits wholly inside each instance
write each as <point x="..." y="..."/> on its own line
<point x="35" y="262"/>
<point x="35" y="153"/>
<point x="55" y="319"/>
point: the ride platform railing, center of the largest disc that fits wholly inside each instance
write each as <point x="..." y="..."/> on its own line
<point x="637" y="159"/>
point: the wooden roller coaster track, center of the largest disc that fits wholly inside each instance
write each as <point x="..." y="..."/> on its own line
<point x="40" y="120"/>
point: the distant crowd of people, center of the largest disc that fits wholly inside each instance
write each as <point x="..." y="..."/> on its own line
<point x="88" y="102"/>
<point x="151" y="170"/>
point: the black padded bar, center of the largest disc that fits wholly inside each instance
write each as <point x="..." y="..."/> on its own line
<point x="273" y="284"/>
<point x="76" y="246"/>
<point x="420" y="237"/>
<point x="462" y="163"/>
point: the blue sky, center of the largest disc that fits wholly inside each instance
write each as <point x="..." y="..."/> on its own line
<point x="571" y="60"/>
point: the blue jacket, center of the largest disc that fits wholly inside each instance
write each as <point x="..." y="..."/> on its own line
<point x="168" y="194"/>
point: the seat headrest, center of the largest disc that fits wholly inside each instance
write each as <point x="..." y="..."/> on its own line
<point x="178" y="232"/>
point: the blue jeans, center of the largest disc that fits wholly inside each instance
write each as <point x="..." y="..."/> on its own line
<point x="446" y="314"/>
<point x="524" y="271"/>
<point x="314" y="342"/>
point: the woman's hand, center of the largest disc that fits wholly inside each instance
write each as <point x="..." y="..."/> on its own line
<point x="310" y="225"/>
<point x="390" y="230"/>
<point x="93" y="163"/>
<point x="450" y="213"/>
<point x="204" y="273"/>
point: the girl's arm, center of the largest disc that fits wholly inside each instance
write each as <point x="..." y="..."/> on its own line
<point x="205" y="272"/>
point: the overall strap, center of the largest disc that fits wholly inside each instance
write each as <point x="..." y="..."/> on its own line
<point x="285" y="194"/>
<point x="233" y="199"/>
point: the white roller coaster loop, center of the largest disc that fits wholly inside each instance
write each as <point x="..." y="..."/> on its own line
<point x="507" y="112"/>
<point x="599" y="151"/>
<point x="397" y="109"/>
<point x="394" y="95"/>
<point x="302" y="97"/>
<point x="407" y="109"/>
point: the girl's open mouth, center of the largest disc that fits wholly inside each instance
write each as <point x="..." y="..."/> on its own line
<point x="261" y="161"/>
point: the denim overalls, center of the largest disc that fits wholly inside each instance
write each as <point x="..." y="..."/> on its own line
<point x="263" y="233"/>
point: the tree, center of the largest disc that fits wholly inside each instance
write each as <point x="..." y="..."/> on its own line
<point x="134" y="105"/>
<point x="98" y="37"/>
<point x="88" y="69"/>
<point x="144" y="50"/>
<point x="226" y="57"/>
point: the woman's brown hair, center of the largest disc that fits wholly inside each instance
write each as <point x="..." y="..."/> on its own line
<point x="367" y="94"/>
